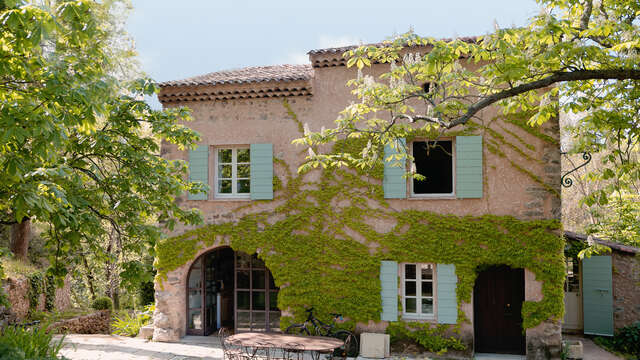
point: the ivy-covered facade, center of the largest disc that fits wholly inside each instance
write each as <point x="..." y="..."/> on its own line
<point x="363" y="243"/>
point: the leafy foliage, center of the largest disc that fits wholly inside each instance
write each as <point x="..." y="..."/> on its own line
<point x="102" y="303"/>
<point x="432" y="338"/>
<point x="626" y="340"/>
<point x="36" y="343"/>
<point x="576" y="56"/>
<point x="129" y="324"/>
<point x="80" y="148"/>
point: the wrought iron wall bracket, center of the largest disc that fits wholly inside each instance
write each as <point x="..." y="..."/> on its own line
<point x="567" y="181"/>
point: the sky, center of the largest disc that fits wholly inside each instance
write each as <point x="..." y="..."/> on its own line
<point x="179" y="39"/>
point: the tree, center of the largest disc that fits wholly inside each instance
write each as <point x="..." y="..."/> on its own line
<point x="572" y="53"/>
<point x="80" y="148"/>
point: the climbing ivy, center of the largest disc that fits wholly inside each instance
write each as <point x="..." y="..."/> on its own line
<point x="36" y="285"/>
<point x="50" y="293"/>
<point x="323" y="244"/>
<point x="432" y="338"/>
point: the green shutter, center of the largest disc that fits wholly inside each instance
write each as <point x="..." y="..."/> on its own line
<point x="199" y="169"/>
<point x="261" y="171"/>
<point x="597" y="295"/>
<point x="447" y="303"/>
<point x="389" y="290"/>
<point x="394" y="183"/>
<point x="469" y="166"/>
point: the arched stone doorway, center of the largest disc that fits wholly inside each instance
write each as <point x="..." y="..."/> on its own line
<point x="233" y="290"/>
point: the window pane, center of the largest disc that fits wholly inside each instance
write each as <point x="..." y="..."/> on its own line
<point x="224" y="186"/>
<point x="244" y="186"/>
<point x="434" y="161"/>
<point x="427" y="272"/>
<point x="224" y="156"/>
<point x="243" y="320"/>
<point x="410" y="271"/>
<point x="410" y="288"/>
<point x="244" y="170"/>
<point x="243" y="279"/>
<point x="243" y="300"/>
<point x="244" y="260"/>
<point x="427" y="288"/>
<point x="259" y="321"/>
<point x="258" y="300"/>
<point x="257" y="262"/>
<point x="195" y="319"/>
<point x="243" y="155"/>
<point x="427" y="306"/>
<point x="273" y="300"/>
<point x="410" y="305"/>
<point x="258" y="279"/>
<point x="194" y="278"/>
<point x="195" y="299"/>
<point x="274" y="320"/>
<point x="224" y="171"/>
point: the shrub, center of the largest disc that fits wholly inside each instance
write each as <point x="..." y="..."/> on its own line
<point x="431" y="338"/>
<point x="102" y="303"/>
<point x="35" y="343"/>
<point x="129" y="325"/>
<point x="626" y="341"/>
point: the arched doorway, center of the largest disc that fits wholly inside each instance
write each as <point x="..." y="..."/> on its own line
<point x="233" y="290"/>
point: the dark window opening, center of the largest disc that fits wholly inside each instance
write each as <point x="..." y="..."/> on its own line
<point x="433" y="160"/>
<point x="428" y="86"/>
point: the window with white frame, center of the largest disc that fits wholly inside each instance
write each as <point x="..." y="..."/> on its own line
<point x="434" y="161"/>
<point x="417" y="290"/>
<point x="233" y="173"/>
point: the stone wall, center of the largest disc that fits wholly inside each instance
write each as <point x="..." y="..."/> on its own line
<point x="96" y="323"/>
<point x="17" y="290"/>
<point x="626" y="288"/>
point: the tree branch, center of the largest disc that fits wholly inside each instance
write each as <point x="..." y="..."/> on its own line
<point x="606" y="74"/>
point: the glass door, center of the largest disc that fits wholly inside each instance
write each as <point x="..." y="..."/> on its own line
<point x="255" y="295"/>
<point x="195" y="299"/>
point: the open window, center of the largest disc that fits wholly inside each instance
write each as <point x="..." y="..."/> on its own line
<point x="434" y="161"/>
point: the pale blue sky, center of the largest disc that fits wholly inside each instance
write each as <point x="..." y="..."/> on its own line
<point x="181" y="38"/>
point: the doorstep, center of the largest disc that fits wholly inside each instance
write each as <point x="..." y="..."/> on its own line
<point x="482" y="356"/>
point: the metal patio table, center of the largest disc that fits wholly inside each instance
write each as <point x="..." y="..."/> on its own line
<point x="316" y="345"/>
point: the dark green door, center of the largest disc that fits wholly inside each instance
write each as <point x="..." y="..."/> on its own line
<point x="597" y="295"/>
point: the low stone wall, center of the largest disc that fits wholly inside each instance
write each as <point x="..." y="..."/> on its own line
<point x="626" y="288"/>
<point x="17" y="290"/>
<point x="96" y="323"/>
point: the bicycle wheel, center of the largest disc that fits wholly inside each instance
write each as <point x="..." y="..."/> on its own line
<point x="350" y="348"/>
<point x="297" y="329"/>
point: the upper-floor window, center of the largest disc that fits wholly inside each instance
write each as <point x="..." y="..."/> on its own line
<point x="417" y="290"/>
<point x="233" y="173"/>
<point x="434" y="161"/>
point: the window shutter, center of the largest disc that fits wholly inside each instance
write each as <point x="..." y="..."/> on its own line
<point x="469" y="166"/>
<point x="446" y="287"/>
<point x="199" y="169"/>
<point x="394" y="184"/>
<point x="597" y="295"/>
<point x="261" y="171"/>
<point x="389" y="290"/>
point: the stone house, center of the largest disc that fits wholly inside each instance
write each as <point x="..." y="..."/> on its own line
<point x="602" y="293"/>
<point x="476" y="244"/>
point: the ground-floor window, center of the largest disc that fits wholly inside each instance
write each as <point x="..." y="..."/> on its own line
<point x="417" y="284"/>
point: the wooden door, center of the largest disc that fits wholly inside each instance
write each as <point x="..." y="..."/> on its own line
<point x="597" y="295"/>
<point x="196" y="299"/>
<point x="497" y="302"/>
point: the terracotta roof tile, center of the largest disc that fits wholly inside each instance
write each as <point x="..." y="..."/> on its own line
<point x="248" y="75"/>
<point x="342" y="49"/>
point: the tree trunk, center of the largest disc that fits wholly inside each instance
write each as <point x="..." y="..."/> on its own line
<point x="20" y="237"/>
<point x="89" y="273"/>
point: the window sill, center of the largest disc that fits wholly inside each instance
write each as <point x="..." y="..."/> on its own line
<point x="231" y="199"/>
<point x="426" y="318"/>
<point x="432" y="197"/>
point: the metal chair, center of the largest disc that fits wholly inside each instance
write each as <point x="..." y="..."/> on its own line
<point x="293" y="351"/>
<point x="230" y="350"/>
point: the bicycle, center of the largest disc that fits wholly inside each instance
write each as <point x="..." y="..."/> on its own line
<point x="314" y="326"/>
